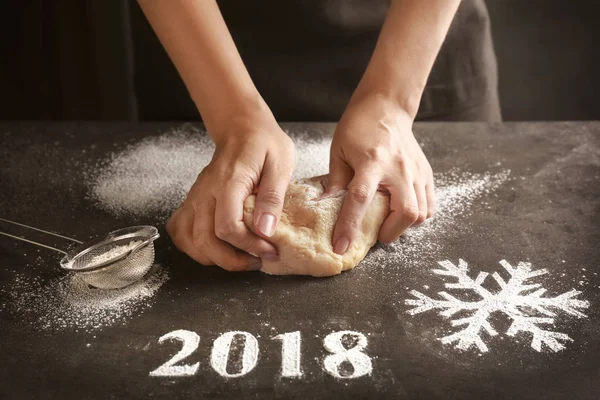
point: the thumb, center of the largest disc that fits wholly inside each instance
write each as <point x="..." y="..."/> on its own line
<point x="269" y="199"/>
<point x="340" y="175"/>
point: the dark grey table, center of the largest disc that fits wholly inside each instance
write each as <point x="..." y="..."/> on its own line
<point x="351" y="336"/>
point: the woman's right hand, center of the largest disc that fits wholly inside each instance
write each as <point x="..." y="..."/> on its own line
<point x="250" y="157"/>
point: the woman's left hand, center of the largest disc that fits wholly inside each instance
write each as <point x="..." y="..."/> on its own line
<point x="373" y="149"/>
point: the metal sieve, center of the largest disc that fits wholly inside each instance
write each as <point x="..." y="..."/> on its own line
<point x="116" y="260"/>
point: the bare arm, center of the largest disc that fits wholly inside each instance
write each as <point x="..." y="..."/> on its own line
<point x="373" y="146"/>
<point x="253" y="154"/>
<point x="198" y="42"/>
<point x="408" y="44"/>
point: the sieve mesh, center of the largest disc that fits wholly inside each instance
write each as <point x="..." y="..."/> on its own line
<point x="115" y="261"/>
<point x="122" y="273"/>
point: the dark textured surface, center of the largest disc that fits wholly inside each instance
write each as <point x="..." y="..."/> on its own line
<point x="548" y="212"/>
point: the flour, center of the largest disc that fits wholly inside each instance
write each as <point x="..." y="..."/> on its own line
<point x="113" y="253"/>
<point x="524" y="302"/>
<point x="455" y="193"/>
<point x="152" y="175"/>
<point x="155" y="174"/>
<point x="68" y="302"/>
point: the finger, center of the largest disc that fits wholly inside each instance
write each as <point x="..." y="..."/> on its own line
<point x="361" y="191"/>
<point x="206" y="242"/>
<point x="230" y="227"/>
<point x="269" y="199"/>
<point x="421" y="203"/>
<point x="180" y="229"/>
<point x="430" y="192"/>
<point x="340" y="175"/>
<point x="404" y="210"/>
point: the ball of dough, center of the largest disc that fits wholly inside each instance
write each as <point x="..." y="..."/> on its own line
<point x="303" y="235"/>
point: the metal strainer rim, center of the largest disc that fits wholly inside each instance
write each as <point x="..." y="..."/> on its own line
<point x="146" y="233"/>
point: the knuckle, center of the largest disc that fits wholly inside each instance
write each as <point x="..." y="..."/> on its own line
<point x="411" y="212"/>
<point x="251" y="247"/>
<point x="430" y="212"/>
<point x="271" y="197"/>
<point x="421" y="218"/>
<point x="350" y="224"/>
<point x="238" y="176"/>
<point x="400" y="157"/>
<point x="360" y="193"/>
<point x="225" y="229"/>
<point x="200" y="243"/>
<point x="376" y="154"/>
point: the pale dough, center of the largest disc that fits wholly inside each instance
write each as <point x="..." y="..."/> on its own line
<point x="303" y="235"/>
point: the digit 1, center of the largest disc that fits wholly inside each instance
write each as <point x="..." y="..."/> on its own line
<point x="290" y="354"/>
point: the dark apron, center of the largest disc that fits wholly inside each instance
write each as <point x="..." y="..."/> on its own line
<point x="307" y="56"/>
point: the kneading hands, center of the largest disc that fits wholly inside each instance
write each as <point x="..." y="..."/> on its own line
<point x="373" y="146"/>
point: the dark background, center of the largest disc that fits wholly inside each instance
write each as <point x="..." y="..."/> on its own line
<point x="73" y="59"/>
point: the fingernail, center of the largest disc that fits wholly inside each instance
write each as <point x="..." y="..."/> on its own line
<point x="255" y="266"/>
<point x="341" y="245"/>
<point x="266" y="224"/>
<point x="270" y="257"/>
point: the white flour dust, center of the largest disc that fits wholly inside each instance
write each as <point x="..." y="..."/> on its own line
<point x="531" y="311"/>
<point x="455" y="194"/>
<point x="155" y="174"/>
<point x="113" y="253"/>
<point x="151" y="175"/>
<point x="69" y="303"/>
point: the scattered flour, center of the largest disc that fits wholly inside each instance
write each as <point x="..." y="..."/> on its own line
<point x="455" y="193"/>
<point x="69" y="303"/>
<point x="155" y="174"/>
<point x="152" y="175"/>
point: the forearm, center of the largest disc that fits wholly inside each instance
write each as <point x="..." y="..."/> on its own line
<point x="408" y="44"/>
<point x="198" y="42"/>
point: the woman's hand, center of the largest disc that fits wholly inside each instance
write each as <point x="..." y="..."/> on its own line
<point x="374" y="149"/>
<point x="254" y="157"/>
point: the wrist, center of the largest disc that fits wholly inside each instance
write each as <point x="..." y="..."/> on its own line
<point x="238" y="114"/>
<point x="383" y="105"/>
<point x="405" y="100"/>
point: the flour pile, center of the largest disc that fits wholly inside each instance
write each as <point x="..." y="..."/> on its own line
<point x="155" y="174"/>
<point x="69" y="303"/>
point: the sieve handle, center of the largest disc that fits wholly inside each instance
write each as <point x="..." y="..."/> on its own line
<point x="32" y="242"/>
<point x="39" y="230"/>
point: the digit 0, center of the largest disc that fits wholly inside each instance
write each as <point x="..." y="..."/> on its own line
<point x="220" y="354"/>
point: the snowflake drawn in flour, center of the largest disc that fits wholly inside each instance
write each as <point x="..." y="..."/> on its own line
<point x="527" y="310"/>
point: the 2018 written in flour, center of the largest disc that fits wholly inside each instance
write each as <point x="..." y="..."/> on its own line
<point x="336" y="343"/>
